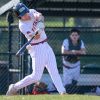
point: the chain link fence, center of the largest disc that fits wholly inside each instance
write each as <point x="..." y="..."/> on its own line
<point x="90" y="63"/>
<point x="57" y="29"/>
<point x="9" y="63"/>
<point x="89" y="35"/>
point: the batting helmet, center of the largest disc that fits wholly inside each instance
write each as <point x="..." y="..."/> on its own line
<point x="20" y="10"/>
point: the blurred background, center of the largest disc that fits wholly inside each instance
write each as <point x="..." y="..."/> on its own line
<point x="60" y="17"/>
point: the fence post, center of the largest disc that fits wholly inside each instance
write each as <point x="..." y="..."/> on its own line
<point x="10" y="20"/>
<point x="23" y="61"/>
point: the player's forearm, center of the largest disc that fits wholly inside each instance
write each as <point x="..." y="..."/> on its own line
<point x="82" y="51"/>
<point x="74" y="52"/>
<point x="68" y="52"/>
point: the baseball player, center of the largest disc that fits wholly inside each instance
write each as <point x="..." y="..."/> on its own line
<point x="72" y="46"/>
<point x="41" y="53"/>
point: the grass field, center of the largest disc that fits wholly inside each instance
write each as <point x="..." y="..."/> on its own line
<point x="50" y="97"/>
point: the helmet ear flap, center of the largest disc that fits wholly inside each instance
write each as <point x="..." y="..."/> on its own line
<point x="16" y="13"/>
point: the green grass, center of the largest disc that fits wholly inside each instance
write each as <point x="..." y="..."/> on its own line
<point x="3" y="23"/>
<point x="51" y="97"/>
<point x="53" y="23"/>
<point x="48" y="24"/>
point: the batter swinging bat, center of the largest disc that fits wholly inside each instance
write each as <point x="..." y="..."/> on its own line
<point x="23" y="48"/>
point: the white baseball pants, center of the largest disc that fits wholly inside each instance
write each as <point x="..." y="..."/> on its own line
<point x="70" y="74"/>
<point x="42" y="56"/>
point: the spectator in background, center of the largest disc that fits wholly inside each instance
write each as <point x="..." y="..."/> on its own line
<point x="73" y="46"/>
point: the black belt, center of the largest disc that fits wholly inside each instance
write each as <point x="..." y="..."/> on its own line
<point x="69" y="67"/>
<point x="32" y="44"/>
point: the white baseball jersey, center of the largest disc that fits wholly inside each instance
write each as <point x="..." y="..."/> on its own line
<point x="65" y="46"/>
<point x="28" y="27"/>
<point x="42" y="55"/>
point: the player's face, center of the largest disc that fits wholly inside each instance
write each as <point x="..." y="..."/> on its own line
<point x="26" y="17"/>
<point x="74" y="36"/>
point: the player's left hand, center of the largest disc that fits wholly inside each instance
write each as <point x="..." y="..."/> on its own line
<point x="28" y="47"/>
<point x="37" y="36"/>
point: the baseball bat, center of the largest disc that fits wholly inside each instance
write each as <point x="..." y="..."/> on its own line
<point x="23" y="48"/>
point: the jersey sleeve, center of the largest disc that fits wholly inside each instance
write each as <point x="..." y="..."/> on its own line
<point x="82" y="45"/>
<point x="64" y="45"/>
<point x="37" y="16"/>
<point x="26" y="31"/>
